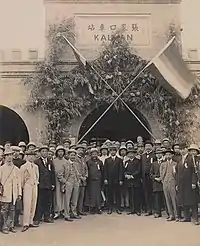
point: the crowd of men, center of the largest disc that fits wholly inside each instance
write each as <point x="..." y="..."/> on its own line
<point x="41" y="184"/>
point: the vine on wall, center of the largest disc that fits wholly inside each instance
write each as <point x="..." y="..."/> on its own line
<point x="66" y="95"/>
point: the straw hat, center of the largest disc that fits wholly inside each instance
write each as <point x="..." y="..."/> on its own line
<point x="31" y="144"/>
<point x="193" y="147"/>
<point x="94" y="150"/>
<point x="8" y="151"/>
<point x="22" y="144"/>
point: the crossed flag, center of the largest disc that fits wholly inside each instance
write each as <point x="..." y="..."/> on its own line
<point x="169" y="67"/>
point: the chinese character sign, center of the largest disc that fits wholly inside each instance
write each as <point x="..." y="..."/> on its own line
<point x="93" y="30"/>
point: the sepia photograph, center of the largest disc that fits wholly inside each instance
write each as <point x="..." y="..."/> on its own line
<point x="99" y="122"/>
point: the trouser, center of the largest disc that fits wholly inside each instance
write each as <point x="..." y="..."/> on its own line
<point x="186" y="212"/>
<point x="29" y="202"/>
<point x="148" y="193"/>
<point x="171" y="199"/>
<point x="114" y="195"/>
<point x="43" y="204"/>
<point x="71" y="198"/>
<point x="8" y="215"/>
<point x="135" y="199"/>
<point x="124" y="197"/>
<point x="16" y="219"/>
<point x="158" y="201"/>
<point x="81" y="197"/>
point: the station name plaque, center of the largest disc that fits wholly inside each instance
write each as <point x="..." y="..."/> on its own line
<point x="93" y="30"/>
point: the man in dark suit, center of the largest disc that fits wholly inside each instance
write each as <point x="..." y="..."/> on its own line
<point x="186" y="181"/>
<point x="132" y="180"/>
<point x="158" y="194"/>
<point x="45" y="187"/>
<point x="147" y="160"/>
<point x="113" y="179"/>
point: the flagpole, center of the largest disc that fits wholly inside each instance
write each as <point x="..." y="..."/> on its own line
<point x="131" y="111"/>
<point x="123" y="102"/>
<point x="101" y="116"/>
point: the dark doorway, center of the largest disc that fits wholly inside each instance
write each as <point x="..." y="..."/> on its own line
<point x="12" y="127"/>
<point x="115" y="125"/>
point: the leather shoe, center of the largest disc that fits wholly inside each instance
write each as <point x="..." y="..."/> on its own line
<point x="36" y="223"/>
<point x="69" y="219"/>
<point x="109" y="212"/>
<point x="33" y="225"/>
<point x="99" y="211"/>
<point x="25" y="228"/>
<point x="12" y="230"/>
<point x="138" y="214"/>
<point x="48" y="221"/>
<point x="118" y="211"/>
<point x="5" y="231"/>
<point x="82" y="214"/>
<point x="196" y="223"/>
<point x="170" y="219"/>
<point x="148" y="214"/>
<point x="76" y="217"/>
<point x="130" y="213"/>
<point x="185" y="220"/>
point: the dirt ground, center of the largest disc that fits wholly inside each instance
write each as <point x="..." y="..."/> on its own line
<point x="108" y="230"/>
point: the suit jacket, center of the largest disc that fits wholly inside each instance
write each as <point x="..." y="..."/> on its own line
<point x="83" y="170"/>
<point x="29" y="174"/>
<point x="11" y="180"/>
<point x="46" y="173"/>
<point x="67" y="174"/>
<point x="147" y="160"/>
<point x="168" y="172"/>
<point x="134" y="168"/>
<point x="155" y="173"/>
<point x="113" y="170"/>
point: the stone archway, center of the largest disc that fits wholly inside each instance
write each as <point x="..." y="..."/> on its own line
<point x="12" y="127"/>
<point x="115" y="125"/>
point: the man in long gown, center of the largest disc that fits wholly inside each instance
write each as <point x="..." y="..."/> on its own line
<point x="94" y="182"/>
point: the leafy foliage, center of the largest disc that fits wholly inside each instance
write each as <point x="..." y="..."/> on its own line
<point x="66" y="95"/>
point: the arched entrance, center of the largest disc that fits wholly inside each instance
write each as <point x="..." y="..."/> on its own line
<point x="12" y="127"/>
<point x="115" y="125"/>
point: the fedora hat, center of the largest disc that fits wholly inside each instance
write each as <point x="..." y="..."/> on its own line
<point x="43" y="147"/>
<point x="166" y="139"/>
<point x="67" y="141"/>
<point x="159" y="151"/>
<point x="30" y="152"/>
<point x="168" y="151"/>
<point x="158" y="141"/>
<point x="16" y="148"/>
<point x="193" y="147"/>
<point x="94" y="150"/>
<point x="59" y="147"/>
<point x="148" y="142"/>
<point x="79" y="146"/>
<point x="131" y="150"/>
<point x="72" y="151"/>
<point x="8" y="152"/>
<point x="104" y="147"/>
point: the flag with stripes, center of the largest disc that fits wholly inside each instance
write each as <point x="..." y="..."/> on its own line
<point x="172" y="71"/>
<point x="81" y="60"/>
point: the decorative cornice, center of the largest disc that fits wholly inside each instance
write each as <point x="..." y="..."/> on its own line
<point x="115" y="1"/>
